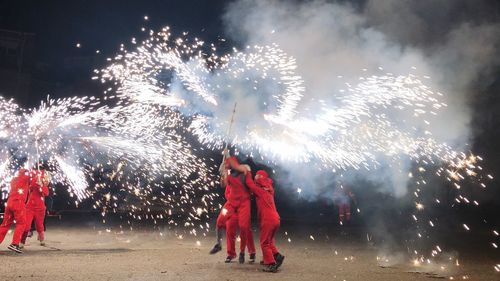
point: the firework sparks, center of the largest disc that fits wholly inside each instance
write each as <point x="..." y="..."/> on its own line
<point x="352" y="131"/>
<point x="379" y="119"/>
<point x="81" y="139"/>
<point x="171" y="87"/>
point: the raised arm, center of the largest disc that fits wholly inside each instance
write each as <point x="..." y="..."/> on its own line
<point x="235" y="166"/>
<point x="223" y="179"/>
<point x="252" y="186"/>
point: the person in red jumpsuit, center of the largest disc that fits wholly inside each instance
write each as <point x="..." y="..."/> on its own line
<point x="342" y="197"/>
<point x="269" y="219"/>
<point x="220" y="224"/>
<point x="35" y="208"/>
<point x="15" y="209"/>
<point x="238" y="210"/>
<point x="222" y="220"/>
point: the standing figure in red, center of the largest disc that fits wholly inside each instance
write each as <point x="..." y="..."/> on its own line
<point x="238" y="210"/>
<point x="342" y="197"/>
<point x="220" y="225"/>
<point x="222" y="220"/>
<point x="35" y="208"/>
<point x="269" y="219"/>
<point x="15" y="209"/>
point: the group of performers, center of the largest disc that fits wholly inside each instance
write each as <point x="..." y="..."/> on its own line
<point x="25" y="204"/>
<point x="239" y="185"/>
<point x="28" y="189"/>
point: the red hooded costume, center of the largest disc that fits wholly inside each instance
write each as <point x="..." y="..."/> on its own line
<point x="269" y="219"/>
<point x="222" y="221"/>
<point x="14" y="208"/>
<point x="238" y="210"/>
<point x="35" y="208"/>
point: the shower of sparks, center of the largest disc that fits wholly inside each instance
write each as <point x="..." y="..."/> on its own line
<point x="383" y="116"/>
<point x="123" y="157"/>
<point x="134" y="155"/>
<point x="373" y="122"/>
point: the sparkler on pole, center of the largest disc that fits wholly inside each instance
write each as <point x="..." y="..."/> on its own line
<point x="225" y="152"/>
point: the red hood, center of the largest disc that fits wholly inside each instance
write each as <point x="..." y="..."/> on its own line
<point x="264" y="180"/>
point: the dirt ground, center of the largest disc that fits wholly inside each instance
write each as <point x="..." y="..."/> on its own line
<point x="95" y="253"/>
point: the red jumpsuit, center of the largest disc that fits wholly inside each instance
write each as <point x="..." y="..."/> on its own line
<point x="269" y="218"/>
<point x="224" y="218"/>
<point x="35" y="208"/>
<point x="342" y="197"/>
<point x="238" y="211"/>
<point x="14" y="209"/>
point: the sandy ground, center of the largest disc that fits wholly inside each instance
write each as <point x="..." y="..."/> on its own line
<point x="92" y="253"/>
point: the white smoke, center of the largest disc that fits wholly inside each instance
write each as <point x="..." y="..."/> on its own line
<point x="336" y="39"/>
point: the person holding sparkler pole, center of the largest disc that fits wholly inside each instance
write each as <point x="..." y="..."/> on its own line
<point x="238" y="210"/>
<point x="222" y="218"/>
<point x="225" y="220"/>
<point x="269" y="219"/>
<point x="15" y="209"/>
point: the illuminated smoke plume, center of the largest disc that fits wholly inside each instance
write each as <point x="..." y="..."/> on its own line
<point x="340" y="46"/>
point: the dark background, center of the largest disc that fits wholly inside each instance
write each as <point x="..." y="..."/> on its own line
<point x="38" y="53"/>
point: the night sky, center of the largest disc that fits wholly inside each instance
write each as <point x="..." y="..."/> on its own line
<point x="103" y="25"/>
<point x="97" y="25"/>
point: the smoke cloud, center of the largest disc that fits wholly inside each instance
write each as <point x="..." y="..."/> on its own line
<point x="433" y="39"/>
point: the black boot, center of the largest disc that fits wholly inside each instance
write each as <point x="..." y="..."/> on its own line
<point x="217" y="247"/>
<point x="229" y="259"/>
<point x="242" y="258"/>
<point x="15" y="248"/>
<point x="252" y="258"/>
<point x="279" y="258"/>
<point x="271" y="268"/>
